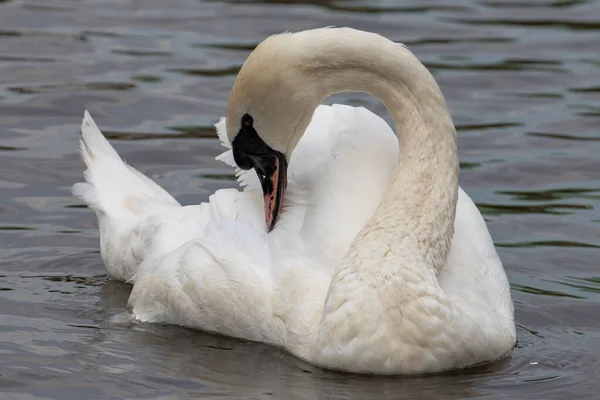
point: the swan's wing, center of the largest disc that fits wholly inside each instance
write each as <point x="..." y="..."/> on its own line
<point x="220" y="283"/>
<point x="235" y="279"/>
<point x="169" y="230"/>
<point x="338" y="175"/>
<point x="473" y="271"/>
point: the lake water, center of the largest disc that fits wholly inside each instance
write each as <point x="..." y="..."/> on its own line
<point x="522" y="79"/>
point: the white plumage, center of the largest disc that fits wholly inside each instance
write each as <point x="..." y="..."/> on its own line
<point x="214" y="267"/>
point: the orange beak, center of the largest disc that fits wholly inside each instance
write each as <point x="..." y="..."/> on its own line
<point x="272" y="173"/>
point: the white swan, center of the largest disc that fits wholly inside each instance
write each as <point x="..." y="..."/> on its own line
<point x="367" y="269"/>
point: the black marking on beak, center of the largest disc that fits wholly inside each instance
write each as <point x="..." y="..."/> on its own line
<point x="250" y="151"/>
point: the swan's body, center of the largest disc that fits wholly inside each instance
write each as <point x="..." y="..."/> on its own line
<point x="368" y="269"/>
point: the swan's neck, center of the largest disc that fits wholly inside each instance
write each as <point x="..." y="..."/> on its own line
<point x="412" y="228"/>
<point x="393" y="262"/>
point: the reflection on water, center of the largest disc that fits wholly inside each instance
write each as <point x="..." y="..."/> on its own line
<point x="521" y="79"/>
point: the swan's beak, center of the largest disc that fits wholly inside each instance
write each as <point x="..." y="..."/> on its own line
<point x="272" y="173"/>
<point x="250" y="151"/>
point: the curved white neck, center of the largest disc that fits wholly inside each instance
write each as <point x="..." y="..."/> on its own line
<point x="414" y="223"/>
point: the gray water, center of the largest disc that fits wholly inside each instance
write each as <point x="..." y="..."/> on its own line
<point x="522" y="79"/>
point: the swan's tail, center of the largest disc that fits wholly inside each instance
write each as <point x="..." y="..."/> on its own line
<point x="114" y="189"/>
<point x="125" y="201"/>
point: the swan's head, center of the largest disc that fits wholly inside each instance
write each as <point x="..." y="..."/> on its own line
<point x="270" y="106"/>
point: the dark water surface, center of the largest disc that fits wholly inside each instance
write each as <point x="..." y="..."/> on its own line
<point x="522" y="79"/>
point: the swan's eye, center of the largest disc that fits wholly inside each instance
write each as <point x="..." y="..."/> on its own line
<point x="247" y="120"/>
